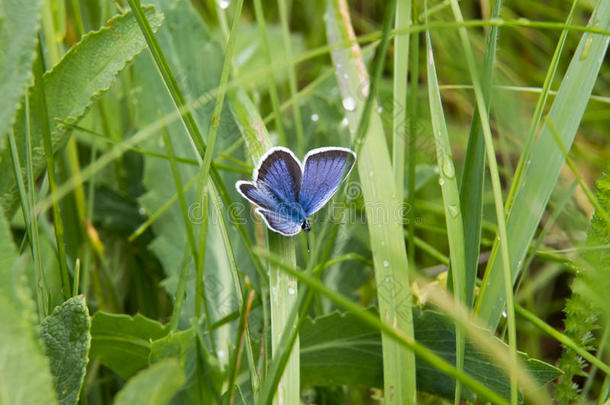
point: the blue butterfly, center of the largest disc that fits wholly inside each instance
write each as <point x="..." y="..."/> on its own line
<point x="286" y="192"/>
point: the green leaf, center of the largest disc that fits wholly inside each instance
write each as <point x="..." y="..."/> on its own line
<point x="154" y="386"/>
<point x="19" y="22"/>
<point x="122" y="342"/>
<point x="90" y="67"/>
<point x="339" y="349"/>
<point x="203" y="375"/>
<point x="24" y="371"/>
<point x="66" y="336"/>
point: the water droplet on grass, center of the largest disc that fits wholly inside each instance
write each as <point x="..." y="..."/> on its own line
<point x="224" y="4"/>
<point x="448" y="168"/>
<point x="292" y="291"/>
<point x="441" y="181"/>
<point x="386" y="263"/>
<point x="315" y="117"/>
<point x="349" y="103"/>
<point x="453" y="210"/>
<point x="344" y="122"/>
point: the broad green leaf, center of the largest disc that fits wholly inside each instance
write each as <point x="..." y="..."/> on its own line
<point x="24" y="371"/>
<point x="84" y="73"/>
<point x="543" y="169"/>
<point x="203" y="375"/>
<point x="19" y="22"/>
<point x="339" y="349"/>
<point x="67" y="339"/>
<point x="122" y="343"/>
<point x="155" y="385"/>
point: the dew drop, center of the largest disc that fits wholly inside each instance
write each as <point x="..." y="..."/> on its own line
<point x="344" y="122"/>
<point x="292" y="291"/>
<point x="504" y="315"/>
<point x="371" y="173"/>
<point x="221" y="354"/>
<point x="141" y="211"/>
<point x="349" y="103"/>
<point x="379" y="109"/>
<point x="388" y="279"/>
<point x="386" y="263"/>
<point x="441" y="181"/>
<point x="315" y="117"/>
<point x="224" y="4"/>
<point x="453" y="210"/>
<point x="345" y="76"/>
<point x="448" y="168"/>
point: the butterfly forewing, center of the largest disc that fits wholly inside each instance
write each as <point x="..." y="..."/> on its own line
<point x="280" y="173"/>
<point x="324" y="170"/>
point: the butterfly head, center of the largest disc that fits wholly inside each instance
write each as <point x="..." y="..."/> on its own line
<point x="305" y="226"/>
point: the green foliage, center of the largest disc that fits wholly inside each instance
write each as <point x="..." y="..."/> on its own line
<point x="66" y="336"/>
<point x="123" y="343"/>
<point x="589" y="298"/>
<point x="202" y="371"/>
<point x="155" y="385"/>
<point x="24" y="371"/>
<point x="90" y="67"/>
<point x="543" y="167"/>
<point x="19" y="23"/>
<point x="339" y="349"/>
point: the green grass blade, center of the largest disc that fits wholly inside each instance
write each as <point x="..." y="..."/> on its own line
<point x="542" y="169"/>
<point x="498" y="200"/>
<point x="473" y="175"/>
<point x="400" y="105"/>
<point x="282" y="287"/>
<point x="292" y="77"/>
<point x="387" y="329"/>
<point x="379" y="190"/>
<point x="275" y="101"/>
<point x="451" y="203"/>
<point x="39" y="92"/>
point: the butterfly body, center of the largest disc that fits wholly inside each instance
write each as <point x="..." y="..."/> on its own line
<point x="287" y="192"/>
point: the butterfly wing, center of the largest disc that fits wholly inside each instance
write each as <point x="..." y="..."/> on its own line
<point x="277" y="180"/>
<point x="279" y="223"/>
<point x="324" y="169"/>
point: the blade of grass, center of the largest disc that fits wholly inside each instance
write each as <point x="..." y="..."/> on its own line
<point x="401" y="104"/>
<point x="275" y="103"/>
<point x="382" y="204"/>
<point x="283" y="287"/>
<point x="473" y="175"/>
<point x="497" y="193"/>
<point x="387" y="329"/>
<point x="451" y="203"/>
<point x="48" y="149"/>
<point x="412" y="147"/>
<point x="561" y="338"/>
<point x="542" y="170"/>
<point x="546" y="87"/>
<point x="292" y="77"/>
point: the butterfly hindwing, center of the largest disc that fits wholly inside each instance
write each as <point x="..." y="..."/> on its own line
<point x="324" y="169"/>
<point x="279" y="223"/>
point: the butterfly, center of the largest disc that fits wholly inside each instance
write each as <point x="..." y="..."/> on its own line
<point x="287" y="192"/>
